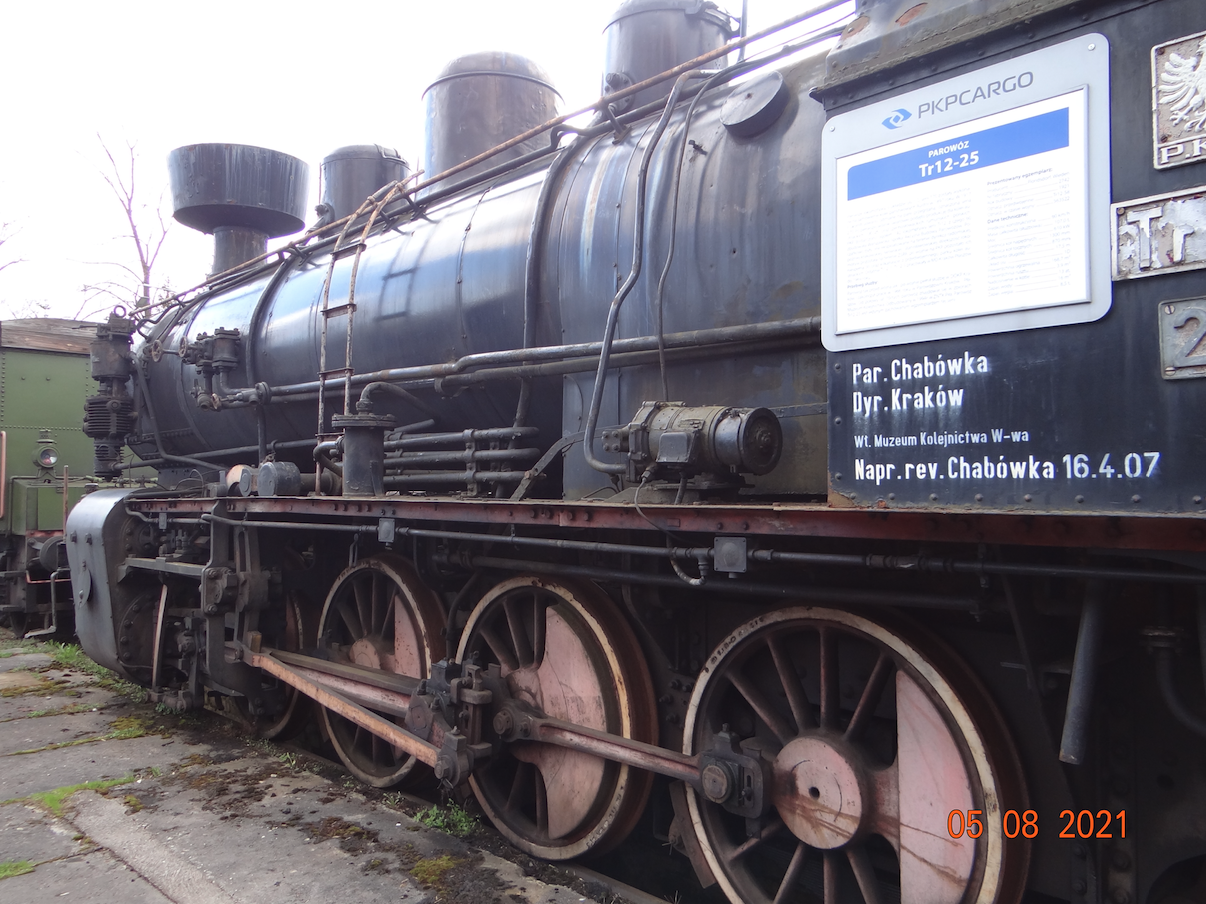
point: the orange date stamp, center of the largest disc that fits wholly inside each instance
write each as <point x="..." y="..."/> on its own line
<point x="1080" y="824"/>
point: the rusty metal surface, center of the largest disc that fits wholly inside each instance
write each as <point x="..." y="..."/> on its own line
<point x="888" y="33"/>
<point x="404" y="740"/>
<point x="1067" y="530"/>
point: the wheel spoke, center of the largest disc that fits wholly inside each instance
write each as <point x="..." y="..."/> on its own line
<point x="382" y="596"/>
<point x="792" y="874"/>
<point x="393" y="605"/>
<point x="761" y="706"/>
<point x="364" y="602"/>
<point x="801" y="709"/>
<point x="350" y="619"/>
<point x="864" y="874"/>
<point x="542" y="803"/>
<point x="503" y="653"/>
<point x="539" y="628"/>
<point x="773" y="828"/>
<point x="519" y="633"/>
<point x="518" y="792"/>
<point x="829" y="876"/>
<point x="870" y="699"/>
<point x="829" y="678"/>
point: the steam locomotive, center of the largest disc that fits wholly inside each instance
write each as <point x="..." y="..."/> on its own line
<point x="811" y="431"/>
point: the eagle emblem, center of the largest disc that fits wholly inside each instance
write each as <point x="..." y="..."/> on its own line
<point x="1183" y="88"/>
<point x="1179" y="101"/>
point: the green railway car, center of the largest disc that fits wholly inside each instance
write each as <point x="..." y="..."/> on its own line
<point x="45" y="460"/>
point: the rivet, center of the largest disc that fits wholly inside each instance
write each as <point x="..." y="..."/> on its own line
<point x="1135" y="498"/>
<point x="1197" y="500"/>
<point x="1027" y="497"/>
<point x="933" y="497"/>
<point x="1092" y="46"/>
<point x="838" y="476"/>
<point x="891" y="495"/>
<point x="837" y="420"/>
<point x="979" y="497"/>
<point x="1168" y="309"/>
<point x="1080" y="498"/>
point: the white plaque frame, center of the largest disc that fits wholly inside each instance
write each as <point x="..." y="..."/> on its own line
<point x="1013" y="230"/>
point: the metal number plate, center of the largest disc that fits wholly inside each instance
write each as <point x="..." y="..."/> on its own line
<point x="1160" y="234"/>
<point x="1183" y="339"/>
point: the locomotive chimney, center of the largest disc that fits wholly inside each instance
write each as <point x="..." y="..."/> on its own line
<point x="239" y="194"/>
<point x="647" y="37"/>
<point x="479" y="101"/>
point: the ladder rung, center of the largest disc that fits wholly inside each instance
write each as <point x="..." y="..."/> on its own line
<point x="340" y="309"/>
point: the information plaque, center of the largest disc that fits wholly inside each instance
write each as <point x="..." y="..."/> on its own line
<point x="977" y="205"/>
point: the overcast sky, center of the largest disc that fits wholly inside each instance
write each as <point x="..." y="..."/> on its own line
<point x="303" y="78"/>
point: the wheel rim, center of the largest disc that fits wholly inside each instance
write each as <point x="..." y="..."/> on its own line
<point x="294" y="633"/>
<point x="381" y="616"/>
<point x="563" y="649"/>
<point x="875" y="732"/>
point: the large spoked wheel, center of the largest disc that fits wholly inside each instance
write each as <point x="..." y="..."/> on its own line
<point x="875" y="733"/>
<point x="290" y="629"/>
<point x="563" y="649"/>
<point x="381" y="616"/>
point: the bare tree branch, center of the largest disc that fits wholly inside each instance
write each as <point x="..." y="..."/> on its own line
<point x="5" y="235"/>
<point x="148" y="242"/>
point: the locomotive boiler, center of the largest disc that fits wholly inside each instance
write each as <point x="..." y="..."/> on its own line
<point x="804" y="441"/>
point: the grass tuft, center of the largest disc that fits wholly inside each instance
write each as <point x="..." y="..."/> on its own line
<point x="10" y="868"/>
<point x="70" y="656"/>
<point x="54" y="800"/>
<point x="451" y="819"/>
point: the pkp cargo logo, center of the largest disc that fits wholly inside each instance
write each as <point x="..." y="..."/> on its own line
<point x="897" y="118"/>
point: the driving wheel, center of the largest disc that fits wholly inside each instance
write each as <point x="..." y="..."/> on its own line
<point x="563" y="649"/>
<point x="379" y="615"/>
<point x="872" y="732"/>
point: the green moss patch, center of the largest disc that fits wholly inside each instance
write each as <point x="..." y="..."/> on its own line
<point x="432" y="870"/>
